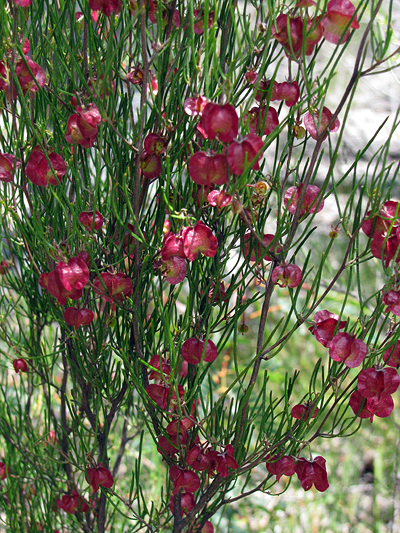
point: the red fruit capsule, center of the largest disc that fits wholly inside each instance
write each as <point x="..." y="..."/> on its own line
<point x="219" y="199"/>
<point x="117" y="286"/>
<point x="187" y="503"/>
<point x="78" y="317"/>
<point x="86" y="219"/>
<point x="135" y="76"/>
<point x="184" y="479"/>
<point x="261" y="121"/>
<point x="164" y="396"/>
<point x="194" y="106"/>
<point x="207" y="169"/>
<point x="173" y="269"/>
<point x="287" y="91"/>
<point x="388" y="219"/>
<point x="4" y="470"/>
<point x="301" y="410"/>
<point x="180" y="426"/>
<point x="99" y="475"/>
<point x="392" y="300"/>
<point x="287" y="276"/>
<point x="219" y="121"/>
<point x="253" y="249"/>
<point x="71" y="504"/>
<point x="347" y="349"/>
<point x="82" y="126"/>
<point x="223" y="460"/>
<point x="358" y="404"/>
<point x="20" y="365"/>
<point x="8" y="163"/>
<point x="39" y="171"/>
<point x="316" y="122"/>
<point x="311" y="202"/>
<point x="169" y="447"/>
<point x="378" y="382"/>
<point x="161" y="364"/>
<point x="30" y="75"/>
<point x="284" y="466"/>
<point x="172" y="246"/>
<point x="198" y="458"/>
<point x="325" y="324"/>
<point x="74" y="274"/>
<point x="289" y="32"/>
<point x="108" y="6"/>
<point x="150" y="165"/>
<point x="198" y="238"/>
<point x="192" y="350"/>
<point x="392" y="355"/>
<point x="242" y="153"/>
<point x="314" y="34"/>
<point x="4" y="266"/>
<point x="312" y="473"/>
<point x="381" y="407"/>
<point x="339" y="14"/>
<point x="155" y="144"/>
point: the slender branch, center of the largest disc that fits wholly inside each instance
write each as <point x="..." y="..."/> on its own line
<point x="322" y="136"/>
<point x="85" y="387"/>
<point x="260" y="338"/>
<point x="341" y="268"/>
<point x="373" y="67"/>
<point x="124" y="441"/>
<point x="116" y="402"/>
<point x="177" y="512"/>
<point x="204" y="499"/>
<point x="133" y="511"/>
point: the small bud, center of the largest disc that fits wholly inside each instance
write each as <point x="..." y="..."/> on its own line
<point x="4" y="265"/>
<point x="237" y="206"/>
<point x="251" y="77"/>
<point x="299" y="132"/>
<point x="112" y="322"/>
<point x="256" y="201"/>
<point x="261" y="188"/>
<point x="243" y="328"/>
<point x="333" y="234"/>
<point x="166" y="226"/>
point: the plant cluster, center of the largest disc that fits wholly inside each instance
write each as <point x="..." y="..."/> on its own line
<point x="163" y="170"/>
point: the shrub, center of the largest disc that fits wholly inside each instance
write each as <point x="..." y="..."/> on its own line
<point x="164" y="179"/>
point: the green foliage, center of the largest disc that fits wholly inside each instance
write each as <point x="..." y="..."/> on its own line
<point x="84" y="402"/>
